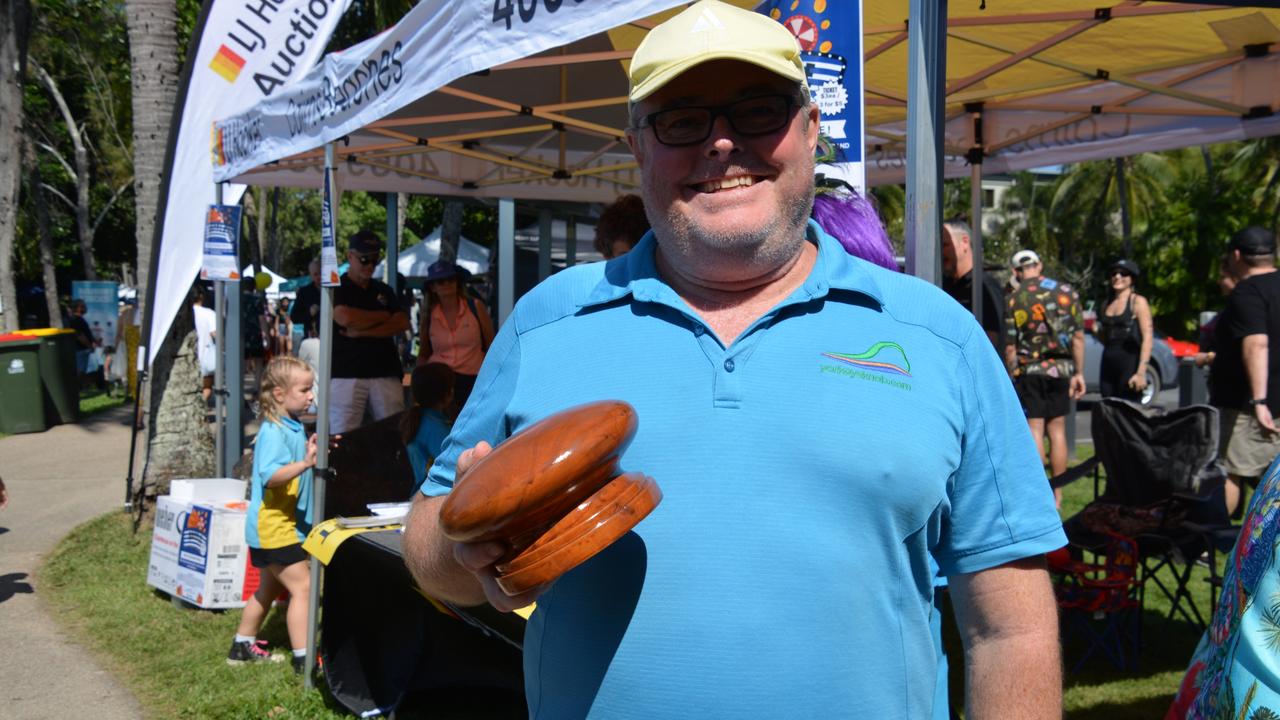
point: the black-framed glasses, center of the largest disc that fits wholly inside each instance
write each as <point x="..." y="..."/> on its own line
<point x="691" y="125"/>
<point x="368" y="259"/>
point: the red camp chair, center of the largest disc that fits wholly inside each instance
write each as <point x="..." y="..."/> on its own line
<point x="1101" y="602"/>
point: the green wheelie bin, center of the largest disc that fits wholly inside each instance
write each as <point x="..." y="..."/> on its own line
<point x="21" y="396"/>
<point x="58" y="348"/>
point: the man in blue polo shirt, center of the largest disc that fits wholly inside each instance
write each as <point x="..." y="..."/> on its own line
<point x="819" y="427"/>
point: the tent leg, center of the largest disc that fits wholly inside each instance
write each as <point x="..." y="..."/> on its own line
<point x="506" y="257"/>
<point x="927" y="45"/>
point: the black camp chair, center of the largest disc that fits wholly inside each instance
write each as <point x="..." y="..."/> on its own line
<point x="1164" y="488"/>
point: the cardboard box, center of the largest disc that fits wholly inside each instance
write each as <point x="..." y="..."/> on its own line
<point x="210" y="490"/>
<point x="198" y="552"/>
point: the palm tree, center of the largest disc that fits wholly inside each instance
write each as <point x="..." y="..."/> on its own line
<point x="179" y="444"/>
<point x="153" y="54"/>
<point x="1257" y="163"/>
<point x="15" y="19"/>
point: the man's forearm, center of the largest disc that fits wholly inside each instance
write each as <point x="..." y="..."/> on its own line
<point x="356" y="319"/>
<point x="1256" y="356"/>
<point x="1014" y="677"/>
<point x="1008" y="621"/>
<point x="429" y="556"/>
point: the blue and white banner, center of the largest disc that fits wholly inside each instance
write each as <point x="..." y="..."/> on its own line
<point x="102" y="308"/>
<point x="329" y="276"/>
<point x="830" y="37"/>
<point x="436" y="43"/>
<point x="245" y="50"/>
<point x="221" y="243"/>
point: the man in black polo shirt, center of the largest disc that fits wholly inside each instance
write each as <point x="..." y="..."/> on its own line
<point x="957" y="280"/>
<point x="305" y="311"/>
<point x="367" y="315"/>
<point x="1240" y="381"/>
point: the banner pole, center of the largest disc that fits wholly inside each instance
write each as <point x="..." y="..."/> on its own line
<point x="329" y="206"/>
<point x="220" y="368"/>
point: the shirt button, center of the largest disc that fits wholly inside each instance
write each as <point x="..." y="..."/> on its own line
<point x="728" y="365"/>
<point x="698" y="330"/>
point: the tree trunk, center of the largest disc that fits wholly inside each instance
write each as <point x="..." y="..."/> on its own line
<point x="450" y="230"/>
<point x="41" y="202"/>
<point x="153" y="56"/>
<point x="181" y="444"/>
<point x="15" y="18"/>
<point x="79" y="173"/>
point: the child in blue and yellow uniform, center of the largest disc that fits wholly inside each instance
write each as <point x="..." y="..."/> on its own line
<point x="279" y="510"/>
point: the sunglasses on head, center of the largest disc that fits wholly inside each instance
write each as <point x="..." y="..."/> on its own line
<point x="691" y="125"/>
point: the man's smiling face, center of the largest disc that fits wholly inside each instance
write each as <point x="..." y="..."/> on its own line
<point x="741" y="195"/>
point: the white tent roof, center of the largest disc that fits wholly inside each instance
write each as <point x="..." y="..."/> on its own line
<point x="273" y="290"/>
<point x="414" y="261"/>
<point x="1054" y="81"/>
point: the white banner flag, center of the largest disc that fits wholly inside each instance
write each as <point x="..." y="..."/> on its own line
<point x="438" y="42"/>
<point x="248" y="50"/>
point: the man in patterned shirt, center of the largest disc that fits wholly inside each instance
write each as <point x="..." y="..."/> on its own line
<point x="1044" y="350"/>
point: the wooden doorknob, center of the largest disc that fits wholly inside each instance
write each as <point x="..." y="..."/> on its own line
<point x="553" y="493"/>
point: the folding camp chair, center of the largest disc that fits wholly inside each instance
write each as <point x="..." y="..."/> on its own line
<point x="1101" y="602"/>
<point x="1164" y="489"/>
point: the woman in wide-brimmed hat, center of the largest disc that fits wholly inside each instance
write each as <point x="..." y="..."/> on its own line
<point x="1125" y="330"/>
<point x="455" y="329"/>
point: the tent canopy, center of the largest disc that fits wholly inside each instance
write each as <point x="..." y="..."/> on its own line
<point x="1044" y="82"/>
<point x="1052" y="81"/>
<point x="414" y="261"/>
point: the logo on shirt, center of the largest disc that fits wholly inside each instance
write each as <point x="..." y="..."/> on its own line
<point x="884" y="362"/>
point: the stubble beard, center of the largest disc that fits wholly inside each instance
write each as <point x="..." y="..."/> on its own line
<point x="765" y="247"/>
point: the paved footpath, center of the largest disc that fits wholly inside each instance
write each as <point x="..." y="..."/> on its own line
<point x="56" y="480"/>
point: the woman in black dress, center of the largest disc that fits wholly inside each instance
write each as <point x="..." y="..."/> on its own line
<point x="1125" y="331"/>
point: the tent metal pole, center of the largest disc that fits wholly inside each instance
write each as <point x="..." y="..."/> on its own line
<point x="220" y="368"/>
<point x="393" y="242"/>
<point x="321" y="471"/>
<point x="975" y="216"/>
<point x="506" y="257"/>
<point x="571" y="242"/>
<point x="975" y="238"/>
<point x="926" y="70"/>
<point x="544" y="244"/>
<point x="233" y="343"/>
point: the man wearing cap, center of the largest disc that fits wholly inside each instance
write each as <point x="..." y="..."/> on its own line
<point x="957" y="279"/>
<point x="1044" y="351"/>
<point x="367" y="315"/>
<point x="1240" y="379"/>
<point x="819" y="427"/>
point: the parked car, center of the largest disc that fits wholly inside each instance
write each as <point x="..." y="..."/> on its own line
<point x="1162" y="370"/>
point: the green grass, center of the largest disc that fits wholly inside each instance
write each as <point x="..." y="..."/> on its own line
<point x="171" y="658"/>
<point x="96" y="401"/>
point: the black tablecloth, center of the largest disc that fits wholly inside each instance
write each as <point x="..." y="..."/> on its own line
<point x="385" y="646"/>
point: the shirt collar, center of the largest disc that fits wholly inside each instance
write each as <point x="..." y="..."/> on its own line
<point x="290" y="423"/>
<point x="636" y="273"/>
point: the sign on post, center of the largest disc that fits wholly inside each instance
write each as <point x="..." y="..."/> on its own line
<point x="221" y="243"/>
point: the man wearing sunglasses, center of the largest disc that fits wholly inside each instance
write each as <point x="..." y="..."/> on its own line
<point x="367" y="375"/>
<point x="819" y="427"/>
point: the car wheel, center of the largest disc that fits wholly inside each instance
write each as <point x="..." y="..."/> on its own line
<point x="1153" y="387"/>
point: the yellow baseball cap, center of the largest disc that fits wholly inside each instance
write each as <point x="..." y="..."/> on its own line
<point x="712" y="30"/>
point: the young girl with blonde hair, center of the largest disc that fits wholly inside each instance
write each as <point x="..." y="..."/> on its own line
<point x="279" y="516"/>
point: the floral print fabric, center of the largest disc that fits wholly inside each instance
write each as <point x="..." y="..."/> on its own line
<point x="1235" y="671"/>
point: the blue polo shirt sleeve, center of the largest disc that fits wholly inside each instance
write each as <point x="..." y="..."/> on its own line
<point x="1001" y="505"/>
<point x="484" y="417"/>
<point x="270" y="453"/>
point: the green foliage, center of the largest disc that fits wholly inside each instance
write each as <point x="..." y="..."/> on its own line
<point x="172" y="658"/>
